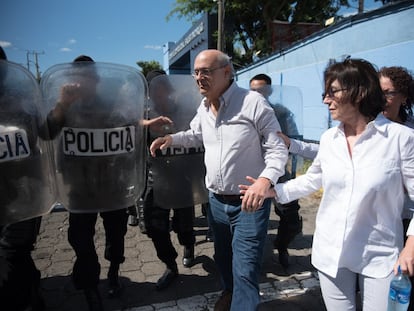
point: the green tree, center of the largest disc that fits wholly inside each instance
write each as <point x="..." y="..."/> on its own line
<point x="247" y="23"/>
<point x="148" y="66"/>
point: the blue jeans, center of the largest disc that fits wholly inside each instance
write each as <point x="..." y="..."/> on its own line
<point x="239" y="239"/>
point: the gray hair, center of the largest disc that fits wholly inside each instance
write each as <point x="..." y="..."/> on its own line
<point x="223" y="60"/>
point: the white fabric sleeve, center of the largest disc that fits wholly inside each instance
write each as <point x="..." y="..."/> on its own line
<point x="303" y="149"/>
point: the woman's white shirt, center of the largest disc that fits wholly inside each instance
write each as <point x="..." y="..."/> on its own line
<point x="358" y="224"/>
<point x="408" y="210"/>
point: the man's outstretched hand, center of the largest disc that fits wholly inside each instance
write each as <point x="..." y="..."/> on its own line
<point x="160" y="143"/>
<point x="253" y="195"/>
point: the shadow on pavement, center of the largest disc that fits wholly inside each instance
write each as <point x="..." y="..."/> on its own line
<point x="60" y="294"/>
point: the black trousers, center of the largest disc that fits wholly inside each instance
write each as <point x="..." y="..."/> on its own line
<point x="290" y="223"/>
<point x="157" y="223"/>
<point x="19" y="277"/>
<point x="81" y="232"/>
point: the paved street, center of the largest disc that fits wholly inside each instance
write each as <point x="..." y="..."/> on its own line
<point x="196" y="289"/>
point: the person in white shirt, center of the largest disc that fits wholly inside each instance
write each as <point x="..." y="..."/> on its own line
<point x="397" y="83"/>
<point x="237" y="128"/>
<point x="398" y="87"/>
<point x="364" y="166"/>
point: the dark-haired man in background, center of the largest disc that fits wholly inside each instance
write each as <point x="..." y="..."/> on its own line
<point x="290" y="223"/>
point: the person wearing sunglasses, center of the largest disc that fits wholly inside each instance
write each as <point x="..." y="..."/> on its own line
<point x="237" y="128"/>
<point x="397" y="83"/>
<point x="364" y="166"/>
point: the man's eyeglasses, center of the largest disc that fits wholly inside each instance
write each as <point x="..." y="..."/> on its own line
<point x="390" y="94"/>
<point x="206" y="72"/>
<point x="331" y="93"/>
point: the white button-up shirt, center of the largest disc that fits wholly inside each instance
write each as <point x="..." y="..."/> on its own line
<point x="408" y="204"/>
<point x="358" y="224"/>
<point x="242" y="140"/>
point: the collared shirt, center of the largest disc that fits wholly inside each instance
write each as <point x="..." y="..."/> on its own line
<point x="242" y="140"/>
<point x="408" y="204"/>
<point x="358" y="225"/>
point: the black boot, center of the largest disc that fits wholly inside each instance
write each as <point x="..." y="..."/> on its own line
<point x="93" y="298"/>
<point x="170" y="274"/>
<point x="114" y="284"/>
<point x="290" y="225"/>
<point x="188" y="258"/>
<point x="283" y="257"/>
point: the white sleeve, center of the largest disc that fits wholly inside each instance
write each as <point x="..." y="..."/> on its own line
<point x="301" y="186"/>
<point x="303" y="149"/>
<point x="410" y="230"/>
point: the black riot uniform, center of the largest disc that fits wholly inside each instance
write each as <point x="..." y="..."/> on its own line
<point x="95" y="184"/>
<point x="23" y="175"/>
<point x="290" y="223"/>
<point x="19" y="277"/>
<point x="157" y="218"/>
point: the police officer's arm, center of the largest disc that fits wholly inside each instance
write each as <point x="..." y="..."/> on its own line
<point x="56" y="118"/>
<point x="69" y="93"/>
<point x="157" y="122"/>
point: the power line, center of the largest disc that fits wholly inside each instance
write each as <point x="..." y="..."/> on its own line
<point x="36" y="61"/>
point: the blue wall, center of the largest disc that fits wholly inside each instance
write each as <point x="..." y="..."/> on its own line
<point x="385" y="37"/>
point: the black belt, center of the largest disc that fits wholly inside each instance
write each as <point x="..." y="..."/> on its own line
<point x="228" y="198"/>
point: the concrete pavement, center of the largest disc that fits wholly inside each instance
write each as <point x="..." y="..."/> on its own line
<point x="196" y="289"/>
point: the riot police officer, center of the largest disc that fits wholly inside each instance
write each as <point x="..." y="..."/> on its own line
<point x="96" y="159"/>
<point x="24" y="170"/>
<point x="157" y="215"/>
<point x="290" y="223"/>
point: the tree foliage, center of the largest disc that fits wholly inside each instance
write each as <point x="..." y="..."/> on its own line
<point x="247" y="22"/>
<point x="148" y="66"/>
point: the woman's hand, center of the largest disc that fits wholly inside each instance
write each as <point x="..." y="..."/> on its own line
<point x="406" y="258"/>
<point x="285" y="138"/>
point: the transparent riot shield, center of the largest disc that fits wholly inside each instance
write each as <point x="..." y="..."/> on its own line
<point x="26" y="174"/>
<point x="286" y="102"/>
<point x="178" y="173"/>
<point x="288" y="106"/>
<point x="95" y="114"/>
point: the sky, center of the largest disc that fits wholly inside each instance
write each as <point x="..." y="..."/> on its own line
<point x="115" y="31"/>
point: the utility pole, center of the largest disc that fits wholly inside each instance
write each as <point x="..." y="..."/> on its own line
<point x="36" y="62"/>
<point x="220" y="25"/>
<point x="360" y="6"/>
